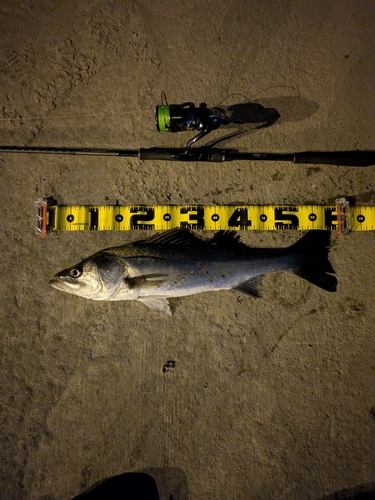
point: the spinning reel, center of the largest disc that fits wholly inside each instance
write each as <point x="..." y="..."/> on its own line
<point x="186" y="116"/>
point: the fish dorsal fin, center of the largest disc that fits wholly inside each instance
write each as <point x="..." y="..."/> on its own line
<point x="227" y="239"/>
<point x="249" y="287"/>
<point x="173" y="237"/>
<point x="160" y="304"/>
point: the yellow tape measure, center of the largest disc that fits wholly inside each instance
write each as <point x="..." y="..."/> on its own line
<point x="340" y="217"/>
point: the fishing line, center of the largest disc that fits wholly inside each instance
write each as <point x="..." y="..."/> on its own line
<point x="66" y="117"/>
<point x="249" y="99"/>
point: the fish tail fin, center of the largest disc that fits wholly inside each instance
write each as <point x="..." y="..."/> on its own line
<point x="311" y="253"/>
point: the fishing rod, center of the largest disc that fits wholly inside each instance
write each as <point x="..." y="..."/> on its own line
<point x="187" y="117"/>
<point x="208" y="154"/>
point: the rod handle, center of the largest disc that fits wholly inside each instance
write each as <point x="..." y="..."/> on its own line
<point x="344" y="158"/>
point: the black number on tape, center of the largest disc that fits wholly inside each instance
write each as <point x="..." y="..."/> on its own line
<point x="289" y="220"/>
<point x="137" y="220"/>
<point x="330" y="220"/>
<point x="94" y="219"/>
<point x="239" y="219"/>
<point x="196" y="217"/>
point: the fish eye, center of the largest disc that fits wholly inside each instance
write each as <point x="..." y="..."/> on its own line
<point x="75" y="272"/>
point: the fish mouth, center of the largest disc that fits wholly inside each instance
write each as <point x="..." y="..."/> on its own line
<point x="60" y="284"/>
<point x="54" y="282"/>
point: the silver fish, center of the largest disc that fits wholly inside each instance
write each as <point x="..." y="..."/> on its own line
<point x="176" y="263"/>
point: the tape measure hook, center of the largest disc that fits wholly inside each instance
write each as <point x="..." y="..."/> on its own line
<point x="343" y="217"/>
<point x="42" y="215"/>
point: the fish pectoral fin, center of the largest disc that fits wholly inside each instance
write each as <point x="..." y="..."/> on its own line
<point x="249" y="287"/>
<point x="160" y="304"/>
<point x="145" y="280"/>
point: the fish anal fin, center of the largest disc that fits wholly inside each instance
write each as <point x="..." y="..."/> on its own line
<point x="160" y="304"/>
<point x="250" y="286"/>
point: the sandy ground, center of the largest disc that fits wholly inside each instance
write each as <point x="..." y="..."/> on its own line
<point x="269" y="398"/>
